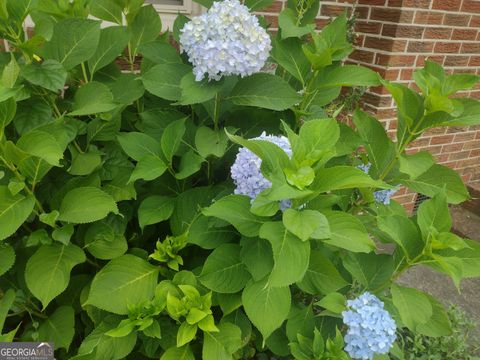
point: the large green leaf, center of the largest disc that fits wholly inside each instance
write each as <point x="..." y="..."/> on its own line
<point x="348" y="232"/>
<point x="413" y="306"/>
<point x="14" y="210"/>
<point x="73" y="42"/>
<point x="43" y="145"/>
<point x="257" y="255"/>
<point x="125" y="280"/>
<point x="434" y="216"/>
<point x="439" y="324"/>
<point x="181" y="353"/>
<point x="470" y="258"/>
<point x="351" y="75"/>
<point x="47" y="273"/>
<point x="137" y="145"/>
<point x="146" y="26"/>
<point x="7" y="112"/>
<point x="223" y="271"/>
<point x="86" y="204"/>
<point x="7" y="259"/>
<point x="289" y="24"/>
<point x="195" y="92"/>
<point x="6" y="303"/>
<point x="256" y="90"/>
<point x="235" y="209"/>
<point x="59" y="328"/>
<point x="306" y="224"/>
<point x="342" y="177"/>
<point x="267" y="307"/>
<point x="371" y="270"/>
<point x="322" y="277"/>
<point x="210" y="142"/>
<point x="113" y="41"/>
<point x="155" y="209"/>
<point x="290" y="254"/>
<point x="105" y="240"/>
<point x="403" y="231"/>
<point x="32" y="114"/>
<point x="108" y="10"/>
<point x="159" y="52"/>
<point x="50" y="75"/>
<point x="92" y="98"/>
<point x="172" y="138"/>
<point x="163" y="80"/>
<point x="222" y="344"/>
<point x="288" y="54"/>
<point x="435" y="179"/>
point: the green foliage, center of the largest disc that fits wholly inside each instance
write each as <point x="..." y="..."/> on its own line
<point x="121" y="235"/>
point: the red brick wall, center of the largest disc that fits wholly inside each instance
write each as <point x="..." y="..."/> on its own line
<point x="394" y="38"/>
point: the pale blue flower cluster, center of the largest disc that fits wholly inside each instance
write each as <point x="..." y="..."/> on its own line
<point x="246" y="173"/>
<point x="371" y="329"/>
<point x="381" y="196"/>
<point x="226" y="40"/>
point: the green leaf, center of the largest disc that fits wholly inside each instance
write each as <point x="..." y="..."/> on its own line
<point x="63" y="234"/>
<point x="155" y="209"/>
<point x="333" y="302"/>
<point x="257" y="255"/>
<point x="105" y="240"/>
<point x="127" y="89"/>
<point x="291" y="255"/>
<point x="43" y="145"/>
<point x="351" y="75"/>
<point x="439" y="324"/>
<point x="59" y="328"/>
<point x="86" y="204"/>
<point x="434" y="216"/>
<point x="85" y="163"/>
<point x="413" y="306"/>
<point x="321" y="277"/>
<point x="174" y="353"/>
<point x="403" y="231"/>
<point x="33" y="114"/>
<point x="342" y="177"/>
<point x="195" y="92"/>
<point x="287" y="21"/>
<point x="189" y="165"/>
<point x="138" y="145"/>
<point x="235" y="209"/>
<point x="223" y="271"/>
<point x="416" y="164"/>
<point x="10" y="73"/>
<point x="306" y="224"/>
<point x="125" y="280"/>
<point x="98" y="345"/>
<point x="47" y="273"/>
<point x="348" y="232"/>
<point x="370" y="270"/>
<point x="288" y="54"/>
<point x="7" y="259"/>
<point x="221" y="345"/>
<point x="435" y="179"/>
<point x="470" y="258"/>
<point x="146" y="27"/>
<point x="92" y="98"/>
<point x="50" y="75"/>
<point x="186" y="333"/>
<point x="256" y="90"/>
<point x="209" y="233"/>
<point x="73" y="42"/>
<point x="107" y="10"/>
<point x="210" y="142"/>
<point x="159" y="52"/>
<point x="6" y="303"/>
<point x="8" y="109"/>
<point x="14" y="210"/>
<point x="163" y="80"/>
<point x="172" y="138"/>
<point x="113" y="41"/>
<point x="381" y="150"/>
<point x="267" y="307"/>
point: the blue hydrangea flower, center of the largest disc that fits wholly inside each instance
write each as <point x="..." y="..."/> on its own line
<point x="371" y="329"/>
<point x="246" y="174"/>
<point x="381" y="196"/>
<point x="226" y="40"/>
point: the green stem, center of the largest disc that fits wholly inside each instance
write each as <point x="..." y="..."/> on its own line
<point x="216" y="112"/>
<point x="84" y="71"/>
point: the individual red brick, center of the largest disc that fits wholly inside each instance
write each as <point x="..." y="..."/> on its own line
<point x="403" y="31"/>
<point x="395" y="3"/>
<point x="437" y="33"/>
<point x="368" y="27"/>
<point x="362" y="12"/>
<point x="434" y="150"/>
<point x="420" y="47"/>
<point x="406" y="74"/>
<point x="372" y="2"/>
<point x="447" y="47"/>
<point x="385" y="44"/>
<point x="390" y="74"/>
<point x="392" y="15"/>
<point x="435" y="131"/>
<point x="359" y="40"/>
<point x="472" y="48"/>
<point x="449" y="5"/>
<point x="453" y="60"/>
<point x="428" y="17"/>
<point x="459" y="155"/>
<point x="444" y="139"/>
<point x="363" y="56"/>
<point x="387" y="114"/>
<point x="334" y="10"/>
<point x="456" y="19"/>
<point x="418" y="4"/>
<point x="475" y="22"/>
<point x="474" y="153"/>
<point x="464" y="34"/>
<point x="464" y="137"/>
<point x="395" y="60"/>
<point x="470" y="6"/>
<point x="471" y="145"/>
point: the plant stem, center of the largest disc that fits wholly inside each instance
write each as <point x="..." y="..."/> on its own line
<point x="84" y="71"/>
<point x="216" y="112"/>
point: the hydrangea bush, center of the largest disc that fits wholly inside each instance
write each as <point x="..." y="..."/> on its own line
<point x="158" y="203"/>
